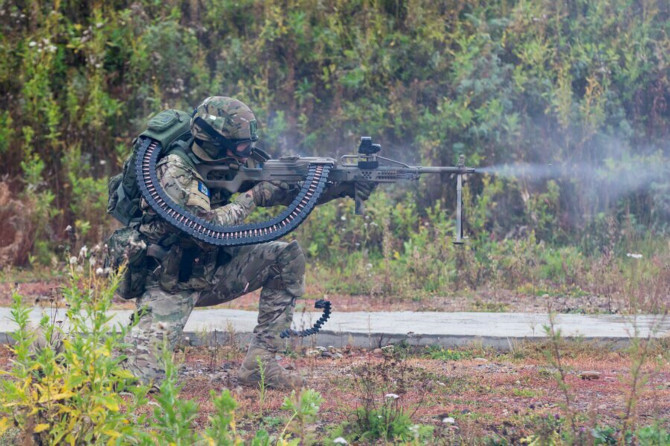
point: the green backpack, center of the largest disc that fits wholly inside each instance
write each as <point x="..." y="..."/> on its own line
<point x="127" y="246"/>
<point x="170" y="128"/>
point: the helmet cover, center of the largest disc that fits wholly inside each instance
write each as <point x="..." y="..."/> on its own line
<point x="219" y="123"/>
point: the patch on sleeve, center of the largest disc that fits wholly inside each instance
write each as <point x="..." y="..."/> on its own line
<point x="202" y="188"/>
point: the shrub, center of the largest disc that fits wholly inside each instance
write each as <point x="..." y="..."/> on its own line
<point x="72" y="387"/>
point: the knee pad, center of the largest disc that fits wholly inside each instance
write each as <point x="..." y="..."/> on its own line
<point x="291" y="264"/>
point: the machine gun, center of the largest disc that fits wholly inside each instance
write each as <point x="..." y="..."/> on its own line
<point x="366" y="166"/>
<point x="313" y="173"/>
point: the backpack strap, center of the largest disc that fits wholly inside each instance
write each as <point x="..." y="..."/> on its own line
<point x="181" y="148"/>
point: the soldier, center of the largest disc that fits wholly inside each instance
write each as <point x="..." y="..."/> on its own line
<point x="184" y="273"/>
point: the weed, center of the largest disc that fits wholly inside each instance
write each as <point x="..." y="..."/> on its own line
<point x="383" y="414"/>
<point x="303" y="409"/>
<point x="439" y="352"/>
<point x="555" y="359"/>
<point x="72" y="387"/>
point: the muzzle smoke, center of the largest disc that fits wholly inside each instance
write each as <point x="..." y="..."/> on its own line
<point x="613" y="177"/>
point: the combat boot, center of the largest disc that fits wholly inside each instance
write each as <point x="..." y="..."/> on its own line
<point x="275" y="376"/>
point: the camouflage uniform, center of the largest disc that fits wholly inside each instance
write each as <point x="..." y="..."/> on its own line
<point x="218" y="274"/>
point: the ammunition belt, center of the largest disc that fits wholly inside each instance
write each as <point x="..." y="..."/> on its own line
<point x="317" y="325"/>
<point x="201" y="229"/>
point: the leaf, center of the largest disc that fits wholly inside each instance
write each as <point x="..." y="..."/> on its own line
<point x="41" y="427"/>
<point x="4" y="425"/>
<point x="123" y="373"/>
<point x="113" y="434"/>
<point x="110" y="403"/>
<point x="57" y="396"/>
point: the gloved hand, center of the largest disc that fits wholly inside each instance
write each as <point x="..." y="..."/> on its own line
<point x="271" y="193"/>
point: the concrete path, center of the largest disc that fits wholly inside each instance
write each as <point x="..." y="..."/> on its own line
<point x="363" y="329"/>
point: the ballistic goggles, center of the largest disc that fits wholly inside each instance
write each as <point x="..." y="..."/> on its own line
<point x="225" y="143"/>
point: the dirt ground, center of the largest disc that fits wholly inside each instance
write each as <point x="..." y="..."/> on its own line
<point x="467" y="395"/>
<point x="488" y="300"/>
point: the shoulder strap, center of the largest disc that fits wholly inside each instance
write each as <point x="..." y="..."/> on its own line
<point x="181" y="149"/>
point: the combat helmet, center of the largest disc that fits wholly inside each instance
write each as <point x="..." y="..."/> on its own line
<point x="220" y="123"/>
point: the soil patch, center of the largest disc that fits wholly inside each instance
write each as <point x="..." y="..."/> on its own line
<point x="484" y="300"/>
<point x="487" y="394"/>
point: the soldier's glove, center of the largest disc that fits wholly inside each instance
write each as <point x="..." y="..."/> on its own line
<point x="271" y="193"/>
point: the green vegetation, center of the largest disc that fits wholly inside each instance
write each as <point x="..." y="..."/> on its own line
<point x="72" y="387"/>
<point x="395" y="251"/>
<point x="577" y="87"/>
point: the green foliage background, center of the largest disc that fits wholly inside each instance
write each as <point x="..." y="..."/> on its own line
<point x="581" y="84"/>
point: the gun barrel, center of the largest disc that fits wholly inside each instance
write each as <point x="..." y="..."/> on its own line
<point x="445" y="169"/>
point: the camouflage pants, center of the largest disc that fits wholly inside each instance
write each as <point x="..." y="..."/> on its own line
<point x="277" y="267"/>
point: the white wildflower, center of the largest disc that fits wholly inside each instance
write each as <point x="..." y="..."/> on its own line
<point x="73" y="260"/>
<point x="448" y="420"/>
<point x="340" y="440"/>
<point x="391" y="396"/>
<point x="99" y="271"/>
<point x="634" y="256"/>
<point x="83" y="251"/>
<point x="32" y="43"/>
<point x="343" y="218"/>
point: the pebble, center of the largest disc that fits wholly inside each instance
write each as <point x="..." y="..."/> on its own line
<point x="481" y="359"/>
<point x="589" y="375"/>
<point x="448" y="420"/>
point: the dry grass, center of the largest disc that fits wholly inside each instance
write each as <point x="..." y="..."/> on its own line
<point x="488" y="394"/>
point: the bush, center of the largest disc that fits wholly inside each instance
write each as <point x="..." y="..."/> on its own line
<point x="70" y="386"/>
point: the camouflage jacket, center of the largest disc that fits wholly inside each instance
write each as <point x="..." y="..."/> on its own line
<point x="187" y="188"/>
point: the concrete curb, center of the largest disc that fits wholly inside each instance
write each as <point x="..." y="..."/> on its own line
<point x="364" y="329"/>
